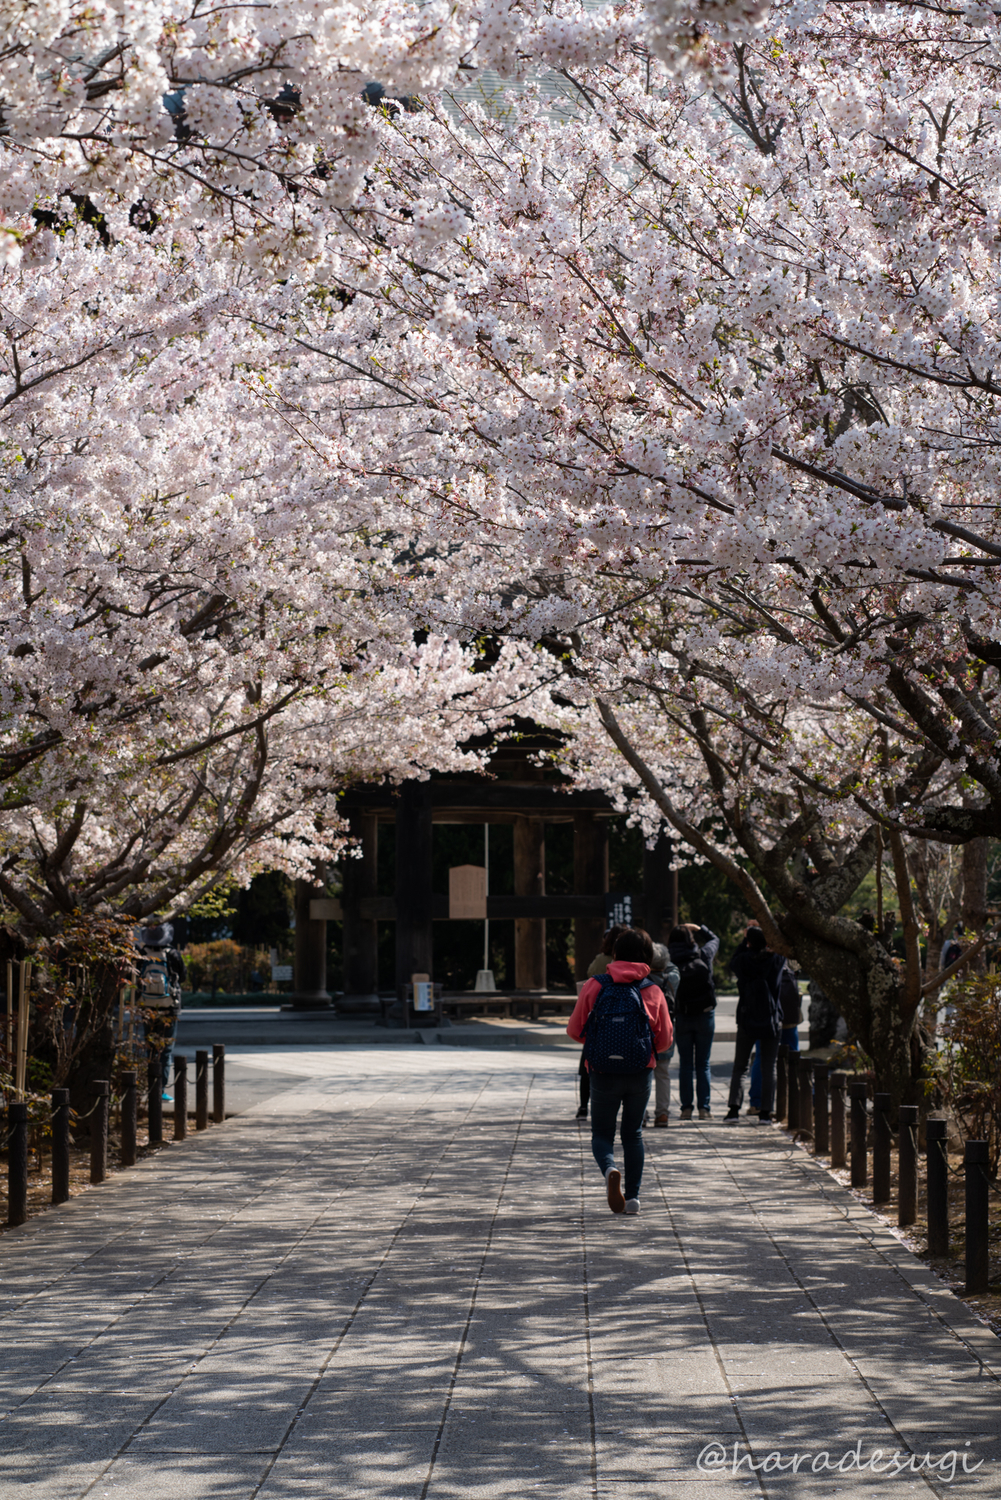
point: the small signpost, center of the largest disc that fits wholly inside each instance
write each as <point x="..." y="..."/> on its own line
<point x="423" y="991"/>
<point x="618" y="909"/>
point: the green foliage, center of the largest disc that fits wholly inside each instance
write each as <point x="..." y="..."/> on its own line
<point x="967" y="1069"/>
<point x="216" y="904"/>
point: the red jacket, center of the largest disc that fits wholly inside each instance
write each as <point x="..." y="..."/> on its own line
<point x="653" y="999"/>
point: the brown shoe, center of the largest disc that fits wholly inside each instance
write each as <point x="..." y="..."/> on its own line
<point x="613" y="1186"/>
<point x="661" y="1121"/>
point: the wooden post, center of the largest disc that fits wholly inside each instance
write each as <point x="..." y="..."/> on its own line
<point x="180" y="1098"/>
<point x="782" y="1082"/>
<point x="659" y="882"/>
<point x="821" y="1114"/>
<point x="530" y="880"/>
<point x="202" y="1090"/>
<point x="218" y="1082"/>
<point x="60" y="1145"/>
<point x="805" y="1097"/>
<point x="129" y="1111"/>
<point x="590" y="878"/>
<point x="359" y="881"/>
<point x="310" y="991"/>
<point x="99" y="1132"/>
<point x="154" y="1100"/>
<point x="858" y="1093"/>
<point x="17" y="1163"/>
<point x="792" y="1066"/>
<point x="414" y="907"/>
<point x="937" y="1186"/>
<point x="907" y="1166"/>
<point x="9" y="1041"/>
<point x="839" y="1142"/>
<point x="976" y="1160"/>
<point x="882" y="1145"/>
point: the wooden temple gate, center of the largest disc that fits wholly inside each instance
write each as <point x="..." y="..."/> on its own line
<point x="414" y="808"/>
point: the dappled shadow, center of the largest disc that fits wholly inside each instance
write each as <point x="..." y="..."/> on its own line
<point x="363" y="1304"/>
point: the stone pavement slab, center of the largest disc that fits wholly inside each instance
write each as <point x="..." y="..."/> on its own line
<point x="396" y="1278"/>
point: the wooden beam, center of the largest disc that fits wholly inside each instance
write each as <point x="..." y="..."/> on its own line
<point x="414" y="904"/>
<point x="590" y="876"/>
<point x="360" y="879"/>
<point x="499" y="908"/>
<point x="530" y="881"/>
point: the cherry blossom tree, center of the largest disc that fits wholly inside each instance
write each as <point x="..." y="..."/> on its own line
<point x="716" y="343"/>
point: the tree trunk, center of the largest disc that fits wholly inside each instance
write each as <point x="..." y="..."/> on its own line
<point x="96" y="1058"/>
<point x="974" y="913"/>
<point x="868" y="993"/>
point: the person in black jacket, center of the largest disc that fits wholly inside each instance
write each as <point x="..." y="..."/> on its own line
<point x="759" y="1019"/>
<point x="792" y="1015"/>
<point x="692" y="949"/>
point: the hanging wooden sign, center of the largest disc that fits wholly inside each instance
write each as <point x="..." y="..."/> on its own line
<point x="467" y="893"/>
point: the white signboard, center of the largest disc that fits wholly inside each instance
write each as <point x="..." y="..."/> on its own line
<point x="280" y="972"/>
<point x="467" y="893"/>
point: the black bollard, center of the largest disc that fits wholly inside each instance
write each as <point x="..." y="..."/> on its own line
<point x="805" y="1097"/>
<point x="792" y="1064"/>
<point x="180" y="1098"/>
<point x="99" y="1133"/>
<point x="201" y="1090"/>
<point x="154" y="1102"/>
<point x="976" y="1160"/>
<point x="907" y="1166"/>
<point x="839" y="1136"/>
<point x="129" y="1112"/>
<point x="60" y="1145"/>
<point x="218" y="1082"/>
<point x="881" y="1147"/>
<point x="857" y="1092"/>
<point x="821" y="1116"/>
<point x="937" y="1169"/>
<point x="782" y="1083"/>
<point x="17" y="1163"/>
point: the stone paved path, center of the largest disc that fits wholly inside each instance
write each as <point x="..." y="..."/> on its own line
<point x="399" y="1279"/>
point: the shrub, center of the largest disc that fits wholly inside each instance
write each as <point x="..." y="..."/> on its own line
<point x="224" y="965"/>
<point x="968" y="1067"/>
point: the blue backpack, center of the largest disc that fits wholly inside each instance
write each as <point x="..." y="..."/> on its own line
<point x="618" y="1037"/>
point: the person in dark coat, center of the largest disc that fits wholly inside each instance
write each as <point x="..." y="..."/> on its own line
<point x="759" y="1019"/>
<point x="692" y="949"/>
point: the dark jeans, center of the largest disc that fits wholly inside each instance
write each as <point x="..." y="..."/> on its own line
<point x="585" y="1083"/>
<point x="769" y="1052"/>
<point x="790" y="1038"/>
<point x="694" y="1038"/>
<point x="609" y="1092"/>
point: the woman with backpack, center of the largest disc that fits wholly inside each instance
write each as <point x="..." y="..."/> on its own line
<point x="623" y="1021"/>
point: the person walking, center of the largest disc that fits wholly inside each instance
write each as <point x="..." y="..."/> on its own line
<point x="598" y="965"/>
<point x="623" y="1020"/>
<point x="693" y="949"/>
<point x="759" y="1019"/>
<point x="792" y="1015"/>
<point x="162" y="973"/>
<point x="665" y="976"/>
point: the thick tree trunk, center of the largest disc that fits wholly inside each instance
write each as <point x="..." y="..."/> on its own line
<point x="96" y="1058"/>
<point x="974" y="912"/>
<point x="869" y="994"/>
